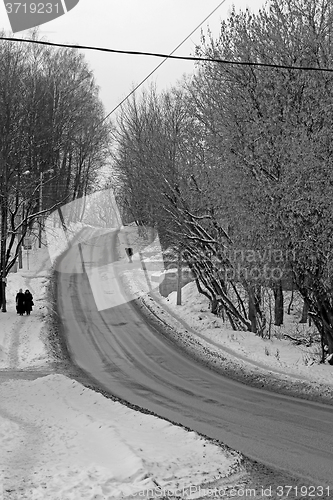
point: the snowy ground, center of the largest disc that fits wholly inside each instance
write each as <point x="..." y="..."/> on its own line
<point x="62" y="441"/>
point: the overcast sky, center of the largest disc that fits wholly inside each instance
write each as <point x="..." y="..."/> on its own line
<point x="143" y="25"/>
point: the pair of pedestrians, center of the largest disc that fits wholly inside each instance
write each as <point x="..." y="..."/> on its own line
<point x="24" y="302"/>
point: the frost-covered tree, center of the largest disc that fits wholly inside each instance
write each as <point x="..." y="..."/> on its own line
<point x="53" y="139"/>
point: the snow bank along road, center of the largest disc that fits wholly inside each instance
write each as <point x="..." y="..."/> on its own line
<point x="134" y="362"/>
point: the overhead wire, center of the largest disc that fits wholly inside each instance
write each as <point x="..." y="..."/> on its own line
<point x="165" y="57"/>
<point x="168" y="56"/>
<point x="164" y="60"/>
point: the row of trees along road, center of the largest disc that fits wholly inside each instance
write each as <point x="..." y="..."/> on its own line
<point x="52" y="138"/>
<point x="234" y="166"/>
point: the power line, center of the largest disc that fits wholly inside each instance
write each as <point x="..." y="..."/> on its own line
<point x="167" y="56"/>
<point x="165" y="59"/>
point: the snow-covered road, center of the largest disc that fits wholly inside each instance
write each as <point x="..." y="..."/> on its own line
<point x="60" y="440"/>
<point x="131" y="360"/>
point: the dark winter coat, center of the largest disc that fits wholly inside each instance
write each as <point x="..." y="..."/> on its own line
<point x="28" y="302"/>
<point x="20" y="299"/>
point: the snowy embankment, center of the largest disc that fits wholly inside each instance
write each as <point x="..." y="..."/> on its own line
<point x="275" y="363"/>
<point x="63" y="441"/>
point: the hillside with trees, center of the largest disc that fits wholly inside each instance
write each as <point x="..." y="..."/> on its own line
<point x="233" y="166"/>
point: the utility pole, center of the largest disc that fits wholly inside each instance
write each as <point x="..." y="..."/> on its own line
<point x="3" y="233"/>
<point x="40" y="208"/>
<point x="41" y="217"/>
<point x="179" y="278"/>
<point x="3" y="253"/>
<point x="20" y="259"/>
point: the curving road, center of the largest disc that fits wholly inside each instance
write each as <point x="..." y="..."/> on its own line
<point x="134" y="362"/>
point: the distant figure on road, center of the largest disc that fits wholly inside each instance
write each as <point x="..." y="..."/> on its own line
<point x="28" y="302"/>
<point x="20" y="298"/>
<point x="129" y="252"/>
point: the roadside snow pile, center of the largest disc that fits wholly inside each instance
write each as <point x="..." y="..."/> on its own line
<point x="74" y="443"/>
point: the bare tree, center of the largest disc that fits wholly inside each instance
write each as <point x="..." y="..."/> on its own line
<point x="53" y="138"/>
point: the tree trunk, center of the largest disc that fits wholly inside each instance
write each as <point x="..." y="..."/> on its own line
<point x="20" y="260"/>
<point x="214" y="306"/>
<point x="252" y="313"/>
<point x="327" y="315"/>
<point x="278" y="306"/>
<point x="256" y="317"/>
<point x="253" y="307"/>
<point x="290" y="305"/>
<point x="305" y="313"/>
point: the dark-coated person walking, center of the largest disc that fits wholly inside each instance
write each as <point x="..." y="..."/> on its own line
<point x="28" y="302"/>
<point x="20" y="299"/>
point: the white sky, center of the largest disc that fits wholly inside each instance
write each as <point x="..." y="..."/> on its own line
<point x="144" y="25"/>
